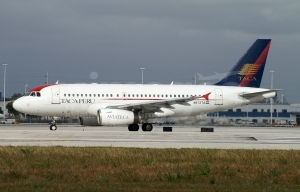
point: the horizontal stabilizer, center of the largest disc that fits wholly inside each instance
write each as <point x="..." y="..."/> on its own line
<point x="250" y="95"/>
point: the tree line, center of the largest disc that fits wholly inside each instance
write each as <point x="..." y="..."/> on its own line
<point x="9" y="105"/>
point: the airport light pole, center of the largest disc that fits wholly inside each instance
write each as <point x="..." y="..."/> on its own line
<point x="4" y="89"/>
<point x="142" y="75"/>
<point x="25" y="89"/>
<point x="271" y="100"/>
<point x="47" y="77"/>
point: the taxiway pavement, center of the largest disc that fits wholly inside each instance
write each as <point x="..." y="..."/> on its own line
<point x="180" y="137"/>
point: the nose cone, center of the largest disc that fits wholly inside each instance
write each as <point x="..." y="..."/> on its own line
<point x="17" y="105"/>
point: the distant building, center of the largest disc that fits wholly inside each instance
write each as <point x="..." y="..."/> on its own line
<point x="261" y="113"/>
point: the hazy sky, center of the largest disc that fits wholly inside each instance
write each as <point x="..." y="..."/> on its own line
<point x="110" y="40"/>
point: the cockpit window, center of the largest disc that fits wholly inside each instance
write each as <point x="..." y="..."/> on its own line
<point x="35" y="94"/>
<point x="32" y="94"/>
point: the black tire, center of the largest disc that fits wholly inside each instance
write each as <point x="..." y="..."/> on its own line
<point x="147" y="127"/>
<point x="133" y="127"/>
<point x="53" y="127"/>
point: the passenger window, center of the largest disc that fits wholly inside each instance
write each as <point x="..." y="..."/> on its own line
<point x="102" y="95"/>
<point x="145" y="95"/>
<point x="64" y="94"/>
<point x="69" y="95"/>
<point x="111" y="95"/>
<point x="38" y="94"/>
<point x="162" y="95"/>
<point x="77" y="95"/>
<point x="137" y="95"/>
<point x="166" y="95"/>
<point x="178" y="95"/>
<point x="106" y="95"/>
<point x="170" y="95"/>
<point x="98" y="95"/>
<point x="157" y="95"/>
<point x="117" y="95"/>
<point x="128" y="95"/>
<point x="73" y="95"/>
<point x="90" y="95"/>
<point x="94" y="95"/>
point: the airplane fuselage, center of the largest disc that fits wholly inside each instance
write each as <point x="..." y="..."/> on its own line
<point x="77" y="100"/>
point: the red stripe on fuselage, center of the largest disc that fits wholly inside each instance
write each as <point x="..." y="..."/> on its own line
<point x="39" y="88"/>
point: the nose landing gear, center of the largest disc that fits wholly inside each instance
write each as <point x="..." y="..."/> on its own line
<point x="53" y="126"/>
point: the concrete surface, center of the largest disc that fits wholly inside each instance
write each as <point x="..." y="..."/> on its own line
<point x="181" y="137"/>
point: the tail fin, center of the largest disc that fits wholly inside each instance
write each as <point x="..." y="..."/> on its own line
<point x="248" y="71"/>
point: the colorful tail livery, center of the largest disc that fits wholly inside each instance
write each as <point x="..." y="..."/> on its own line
<point x="249" y="69"/>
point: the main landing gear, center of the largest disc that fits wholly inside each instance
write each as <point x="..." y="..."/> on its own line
<point x="145" y="127"/>
<point x="53" y="126"/>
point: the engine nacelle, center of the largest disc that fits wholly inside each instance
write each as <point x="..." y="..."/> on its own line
<point x="88" y="121"/>
<point x="116" y="117"/>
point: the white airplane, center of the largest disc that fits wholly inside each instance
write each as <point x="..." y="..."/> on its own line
<point x="123" y="104"/>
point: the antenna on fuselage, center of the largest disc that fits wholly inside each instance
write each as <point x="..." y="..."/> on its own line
<point x="56" y="82"/>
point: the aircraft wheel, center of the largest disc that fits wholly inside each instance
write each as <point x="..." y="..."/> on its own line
<point x="147" y="127"/>
<point x="53" y="127"/>
<point x="133" y="127"/>
<point x="130" y="127"/>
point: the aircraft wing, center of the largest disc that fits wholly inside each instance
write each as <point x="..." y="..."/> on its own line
<point x="154" y="106"/>
<point x="250" y="95"/>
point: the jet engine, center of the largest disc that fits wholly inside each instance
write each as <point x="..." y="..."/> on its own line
<point x="116" y="117"/>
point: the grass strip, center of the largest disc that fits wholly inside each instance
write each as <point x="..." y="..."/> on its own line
<point x="59" y="168"/>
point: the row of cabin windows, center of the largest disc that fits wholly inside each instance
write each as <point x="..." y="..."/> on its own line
<point x="124" y="95"/>
<point x="262" y="110"/>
